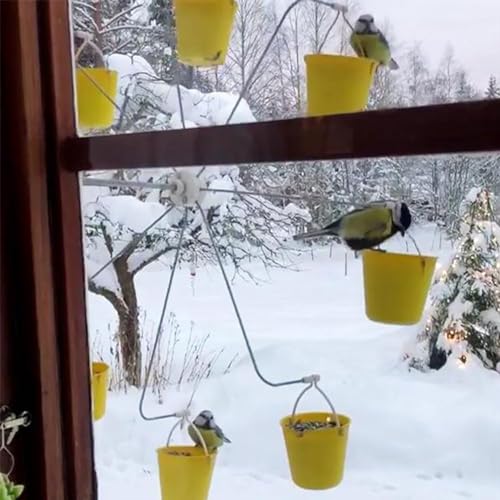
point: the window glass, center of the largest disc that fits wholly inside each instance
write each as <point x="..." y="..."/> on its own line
<point x="410" y="390"/>
<point x="159" y="56"/>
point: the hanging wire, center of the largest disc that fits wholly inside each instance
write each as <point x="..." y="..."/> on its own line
<point x="159" y="330"/>
<point x="237" y="312"/>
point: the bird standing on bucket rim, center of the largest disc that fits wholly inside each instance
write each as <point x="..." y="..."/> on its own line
<point x="368" y="41"/>
<point x="211" y="433"/>
<point x="367" y="227"/>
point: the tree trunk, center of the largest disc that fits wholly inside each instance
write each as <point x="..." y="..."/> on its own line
<point x="128" y="325"/>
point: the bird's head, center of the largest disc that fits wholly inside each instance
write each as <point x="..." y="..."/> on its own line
<point x="401" y="217"/>
<point x="365" y="24"/>
<point x="205" y="419"/>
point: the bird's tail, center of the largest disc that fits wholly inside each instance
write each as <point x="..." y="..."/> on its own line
<point x="226" y="440"/>
<point x="313" y="234"/>
<point x="393" y="64"/>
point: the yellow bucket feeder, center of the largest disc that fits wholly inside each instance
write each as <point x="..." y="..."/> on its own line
<point x="96" y="90"/>
<point x="203" y="30"/>
<point x="100" y="379"/>
<point x="396" y="286"/>
<point x="338" y="84"/>
<point x="316" y="444"/>
<point x="185" y="471"/>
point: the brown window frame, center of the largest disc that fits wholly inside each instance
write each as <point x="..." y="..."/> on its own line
<point x="46" y="68"/>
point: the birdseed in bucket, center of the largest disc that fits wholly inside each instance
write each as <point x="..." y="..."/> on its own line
<point x="180" y="453"/>
<point x="313" y="425"/>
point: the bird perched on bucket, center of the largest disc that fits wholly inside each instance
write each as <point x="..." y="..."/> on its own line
<point x="211" y="433"/>
<point x="367" y="227"/>
<point x="368" y="41"/>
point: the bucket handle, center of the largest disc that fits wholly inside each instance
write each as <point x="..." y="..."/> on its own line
<point x="181" y="422"/>
<point x="87" y="41"/>
<point x="313" y="382"/>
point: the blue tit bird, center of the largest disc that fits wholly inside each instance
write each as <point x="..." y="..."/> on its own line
<point x="212" y="434"/>
<point x="367" y="227"/>
<point x="368" y="41"/>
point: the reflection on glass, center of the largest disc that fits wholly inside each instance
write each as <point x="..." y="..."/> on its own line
<point x="301" y="305"/>
<point x="438" y="61"/>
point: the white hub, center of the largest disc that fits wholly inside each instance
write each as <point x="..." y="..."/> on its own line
<point x="185" y="188"/>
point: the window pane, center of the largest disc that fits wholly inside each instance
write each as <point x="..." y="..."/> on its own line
<point x="302" y="304"/>
<point x="438" y="61"/>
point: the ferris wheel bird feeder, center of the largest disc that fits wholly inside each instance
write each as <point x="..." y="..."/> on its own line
<point x="96" y="90"/>
<point x="315" y="442"/>
<point x="185" y="472"/>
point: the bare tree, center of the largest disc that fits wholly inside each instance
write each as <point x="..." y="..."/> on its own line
<point x="251" y="32"/>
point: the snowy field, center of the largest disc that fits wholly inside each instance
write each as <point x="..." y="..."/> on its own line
<point x="413" y="435"/>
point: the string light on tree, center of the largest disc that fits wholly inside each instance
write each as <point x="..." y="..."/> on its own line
<point x="465" y="314"/>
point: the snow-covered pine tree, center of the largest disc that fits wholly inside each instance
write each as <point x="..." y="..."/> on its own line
<point x="493" y="90"/>
<point x="465" y="315"/>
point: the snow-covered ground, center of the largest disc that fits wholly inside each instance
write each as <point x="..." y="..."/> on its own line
<point x="413" y="435"/>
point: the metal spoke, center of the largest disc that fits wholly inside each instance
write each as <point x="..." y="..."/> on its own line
<point x="166" y="186"/>
<point x="159" y="330"/>
<point x="237" y="312"/>
<point x="274" y="195"/>
<point x="132" y="243"/>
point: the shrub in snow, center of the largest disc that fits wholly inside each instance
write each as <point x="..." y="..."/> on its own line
<point x="465" y="315"/>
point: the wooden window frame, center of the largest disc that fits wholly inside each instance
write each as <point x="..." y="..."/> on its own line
<point x="46" y="69"/>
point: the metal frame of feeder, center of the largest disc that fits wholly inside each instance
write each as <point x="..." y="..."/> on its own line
<point x="187" y="184"/>
<point x="185" y="188"/>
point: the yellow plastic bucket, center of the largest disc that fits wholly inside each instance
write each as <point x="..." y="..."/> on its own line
<point x="396" y="286"/>
<point x="203" y="30"/>
<point x="316" y="457"/>
<point x="338" y="84"/>
<point x="100" y="378"/>
<point x="96" y="89"/>
<point x="185" y="472"/>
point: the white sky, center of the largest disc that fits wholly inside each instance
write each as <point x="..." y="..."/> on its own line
<point x="472" y="27"/>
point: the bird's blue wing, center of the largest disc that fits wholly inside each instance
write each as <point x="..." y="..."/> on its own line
<point x="383" y="39"/>
<point x="220" y="434"/>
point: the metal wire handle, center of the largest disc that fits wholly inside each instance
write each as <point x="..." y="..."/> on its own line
<point x="185" y="418"/>
<point x="314" y="379"/>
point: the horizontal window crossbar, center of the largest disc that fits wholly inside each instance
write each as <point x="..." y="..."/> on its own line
<point x="449" y="128"/>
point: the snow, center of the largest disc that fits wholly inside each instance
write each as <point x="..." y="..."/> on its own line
<point x="137" y="78"/>
<point x="413" y="435"/>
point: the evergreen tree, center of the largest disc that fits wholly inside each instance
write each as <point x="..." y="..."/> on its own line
<point x="493" y="90"/>
<point x="465" y="315"/>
